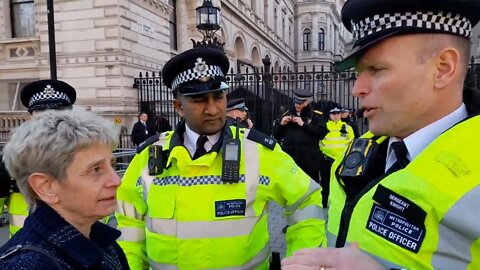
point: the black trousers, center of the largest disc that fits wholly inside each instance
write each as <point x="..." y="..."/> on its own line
<point x="325" y="167"/>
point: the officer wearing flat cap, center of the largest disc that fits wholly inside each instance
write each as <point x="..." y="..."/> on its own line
<point x="332" y="146"/>
<point x="196" y="197"/>
<point x="47" y="94"/>
<point x="346" y="116"/>
<point x="36" y="96"/>
<point x="237" y="112"/>
<point x="300" y="129"/>
<point x="406" y="195"/>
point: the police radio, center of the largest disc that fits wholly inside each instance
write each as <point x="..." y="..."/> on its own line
<point x="359" y="159"/>
<point x="231" y="159"/>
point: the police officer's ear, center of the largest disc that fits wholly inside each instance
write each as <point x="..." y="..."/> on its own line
<point x="177" y="103"/>
<point x="448" y="68"/>
<point x="43" y="187"/>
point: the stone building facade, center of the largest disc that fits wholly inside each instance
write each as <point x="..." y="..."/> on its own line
<point x="102" y="45"/>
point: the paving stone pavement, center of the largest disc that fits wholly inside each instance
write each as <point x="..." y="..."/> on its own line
<point x="276" y="222"/>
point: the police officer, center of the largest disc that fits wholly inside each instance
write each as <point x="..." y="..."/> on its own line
<point x="346" y="116"/>
<point x="37" y="96"/>
<point x="196" y="197"/>
<point x="332" y="146"/>
<point x="300" y="129"/>
<point x="237" y="111"/>
<point x="417" y="206"/>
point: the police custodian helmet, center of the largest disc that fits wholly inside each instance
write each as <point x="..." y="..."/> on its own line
<point x="197" y="71"/>
<point x="47" y="94"/>
<point x="371" y="21"/>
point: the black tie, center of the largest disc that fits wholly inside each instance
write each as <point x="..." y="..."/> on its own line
<point x="401" y="152"/>
<point x="200" y="147"/>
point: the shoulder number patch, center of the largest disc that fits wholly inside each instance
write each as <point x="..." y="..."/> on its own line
<point x="262" y="139"/>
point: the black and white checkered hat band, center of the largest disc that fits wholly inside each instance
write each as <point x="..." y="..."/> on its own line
<point x="240" y="106"/>
<point x="45" y="96"/>
<point x="439" y="21"/>
<point x="300" y="99"/>
<point x="193" y="74"/>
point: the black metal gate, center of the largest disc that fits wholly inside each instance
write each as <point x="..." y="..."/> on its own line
<point x="269" y="93"/>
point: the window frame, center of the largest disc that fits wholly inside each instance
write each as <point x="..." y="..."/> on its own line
<point x="307" y="39"/>
<point x="13" y="18"/>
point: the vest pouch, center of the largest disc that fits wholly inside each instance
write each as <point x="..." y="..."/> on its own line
<point x="161" y="206"/>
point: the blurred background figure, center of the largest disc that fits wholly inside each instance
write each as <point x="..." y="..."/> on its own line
<point x="37" y="96"/>
<point x="141" y="129"/>
<point x="347" y="117"/>
<point x="300" y="130"/>
<point x="63" y="164"/>
<point x="332" y="146"/>
<point x="238" y="111"/>
<point x="162" y="124"/>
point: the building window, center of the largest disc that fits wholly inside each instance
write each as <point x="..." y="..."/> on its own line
<point x="289" y="35"/>
<point x="306" y="39"/>
<point x="22" y="13"/>
<point x="321" y="40"/>
<point x="172" y="23"/>
<point x="275" y="21"/>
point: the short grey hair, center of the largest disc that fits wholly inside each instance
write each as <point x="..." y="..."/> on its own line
<point x="48" y="142"/>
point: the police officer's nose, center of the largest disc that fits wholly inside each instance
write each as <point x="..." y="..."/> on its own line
<point x="361" y="87"/>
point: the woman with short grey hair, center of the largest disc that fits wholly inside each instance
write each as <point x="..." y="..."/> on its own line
<point x="63" y="164"/>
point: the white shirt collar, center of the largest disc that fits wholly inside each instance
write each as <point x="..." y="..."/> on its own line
<point x="190" y="140"/>
<point x="420" y="139"/>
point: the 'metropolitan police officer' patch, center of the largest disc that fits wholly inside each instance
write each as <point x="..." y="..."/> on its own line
<point x="397" y="220"/>
<point x="230" y="208"/>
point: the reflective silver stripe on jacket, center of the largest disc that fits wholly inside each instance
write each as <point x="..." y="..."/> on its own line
<point x="312" y="188"/>
<point x="312" y="211"/>
<point x="252" y="173"/>
<point x="387" y="264"/>
<point x="203" y="229"/>
<point x="458" y="229"/>
<point x="256" y="261"/>
<point x="132" y="234"/>
<point x="127" y="209"/>
<point x="17" y="220"/>
<point x="332" y="239"/>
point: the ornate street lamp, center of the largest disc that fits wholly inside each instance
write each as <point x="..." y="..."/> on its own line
<point x="208" y="20"/>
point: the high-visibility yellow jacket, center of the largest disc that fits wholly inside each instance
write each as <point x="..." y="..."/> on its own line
<point x="17" y="211"/>
<point x="336" y="141"/>
<point x="188" y="218"/>
<point x="422" y="217"/>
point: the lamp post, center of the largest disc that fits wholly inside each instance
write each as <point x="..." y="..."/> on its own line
<point x="51" y="40"/>
<point x="208" y="20"/>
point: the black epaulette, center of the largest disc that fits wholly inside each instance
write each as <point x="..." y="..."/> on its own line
<point x="148" y="142"/>
<point x="318" y="112"/>
<point x="261" y="138"/>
